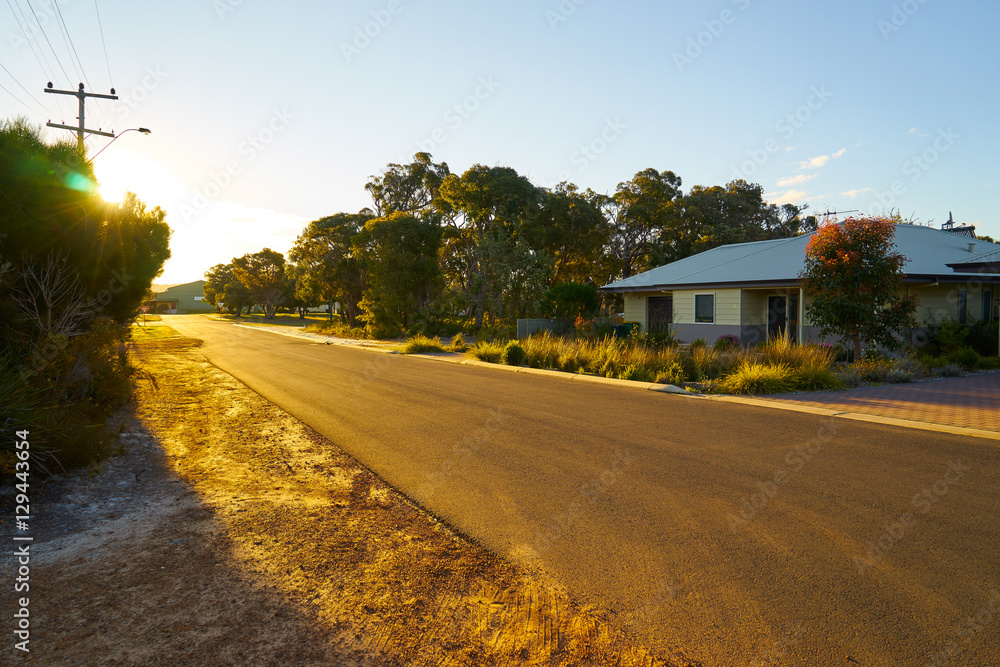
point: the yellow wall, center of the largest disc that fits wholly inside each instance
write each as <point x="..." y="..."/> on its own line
<point x="635" y="309"/>
<point x="727" y="306"/>
<point x="940" y="303"/>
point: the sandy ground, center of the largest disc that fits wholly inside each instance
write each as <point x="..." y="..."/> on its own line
<point x="228" y="533"/>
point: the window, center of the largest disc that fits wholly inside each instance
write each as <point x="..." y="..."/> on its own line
<point x="987" y="305"/>
<point x="963" y="306"/>
<point x="704" y="308"/>
<point x="199" y="298"/>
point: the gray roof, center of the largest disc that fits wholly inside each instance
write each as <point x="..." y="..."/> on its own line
<point x="979" y="259"/>
<point x="928" y="252"/>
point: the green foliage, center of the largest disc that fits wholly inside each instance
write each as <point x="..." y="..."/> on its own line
<point x="855" y="279"/>
<point x="983" y="338"/>
<point x="951" y="336"/>
<point x="752" y="377"/>
<point x="965" y="357"/>
<point x="489" y="351"/>
<point x="698" y="342"/>
<point x="568" y="301"/>
<point x="783" y="351"/>
<point x="726" y="342"/>
<point x="514" y="354"/>
<point x="420" y="343"/>
<point x="263" y="275"/>
<point x="815" y="378"/>
<point x="950" y="371"/>
<point x="400" y="256"/>
<point x="458" y="344"/>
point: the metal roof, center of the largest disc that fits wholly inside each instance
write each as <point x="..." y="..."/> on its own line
<point x="979" y="259"/>
<point x="928" y="252"/>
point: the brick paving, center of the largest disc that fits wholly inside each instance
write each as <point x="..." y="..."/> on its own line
<point x="970" y="402"/>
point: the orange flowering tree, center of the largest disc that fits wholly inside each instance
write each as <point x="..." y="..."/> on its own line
<point x="855" y="276"/>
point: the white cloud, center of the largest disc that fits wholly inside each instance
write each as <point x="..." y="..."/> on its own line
<point x="913" y="130"/>
<point x="795" y="180"/>
<point x="788" y="197"/>
<point x="821" y="160"/>
<point x="854" y="193"/>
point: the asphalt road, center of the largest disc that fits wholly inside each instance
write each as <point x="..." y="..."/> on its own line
<point x="740" y="534"/>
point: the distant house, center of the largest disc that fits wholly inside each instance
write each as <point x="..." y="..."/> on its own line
<point x="186" y="298"/>
<point x="753" y="291"/>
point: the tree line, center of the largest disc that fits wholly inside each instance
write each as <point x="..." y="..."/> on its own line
<point x="436" y="250"/>
<point x="74" y="270"/>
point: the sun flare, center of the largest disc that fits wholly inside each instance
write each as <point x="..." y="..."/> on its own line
<point x="121" y="172"/>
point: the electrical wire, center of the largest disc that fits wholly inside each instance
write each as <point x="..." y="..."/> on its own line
<point x="70" y="45"/>
<point x="107" y="61"/>
<point x="36" y="50"/>
<point x="4" y="88"/>
<point x="33" y="98"/>
<point x="41" y="28"/>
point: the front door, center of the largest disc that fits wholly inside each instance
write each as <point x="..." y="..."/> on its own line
<point x="660" y="313"/>
<point x="777" y="309"/>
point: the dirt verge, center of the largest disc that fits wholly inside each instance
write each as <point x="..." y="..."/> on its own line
<point x="229" y="533"/>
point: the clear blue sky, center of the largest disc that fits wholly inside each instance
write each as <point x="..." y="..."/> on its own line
<point x="277" y="113"/>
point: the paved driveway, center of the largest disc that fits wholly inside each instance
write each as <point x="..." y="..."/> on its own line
<point x="969" y="402"/>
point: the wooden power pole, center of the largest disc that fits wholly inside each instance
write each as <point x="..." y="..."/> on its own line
<point x="82" y="96"/>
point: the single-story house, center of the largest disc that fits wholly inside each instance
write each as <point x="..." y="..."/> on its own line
<point x="186" y="298"/>
<point x="753" y="290"/>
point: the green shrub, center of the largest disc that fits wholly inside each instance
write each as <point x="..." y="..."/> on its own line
<point x="873" y="370"/>
<point x="983" y="338"/>
<point x="951" y="336"/>
<point x="757" y="378"/>
<point x="899" y="375"/>
<point x="782" y="351"/>
<point x="421" y="343"/>
<point x="815" y="378"/>
<point x="851" y="377"/>
<point x="698" y="343"/>
<point x="673" y="374"/>
<point x="514" y="354"/>
<point x="965" y="357"/>
<point x="489" y="351"/>
<point x="637" y="373"/>
<point x="989" y="363"/>
<point x="950" y="371"/>
<point x="458" y="343"/>
<point x="726" y="342"/>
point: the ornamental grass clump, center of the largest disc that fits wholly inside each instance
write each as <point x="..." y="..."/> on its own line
<point x="815" y="378"/>
<point x="489" y="351"/>
<point x="754" y="377"/>
<point x="421" y="343"/>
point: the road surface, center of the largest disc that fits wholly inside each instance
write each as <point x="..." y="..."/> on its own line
<point x="739" y="534"/>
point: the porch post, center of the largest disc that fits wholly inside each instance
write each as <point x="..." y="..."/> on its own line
<point x="802" y="314"/>
<point x="788" y="318"/>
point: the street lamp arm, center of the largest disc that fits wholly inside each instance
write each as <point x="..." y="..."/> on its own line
<point x="144" y="130"/>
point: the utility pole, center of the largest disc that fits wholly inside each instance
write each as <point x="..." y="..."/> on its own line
<point x="82" y="96"/>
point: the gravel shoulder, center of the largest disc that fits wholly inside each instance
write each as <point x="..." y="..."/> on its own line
<point x="227" y="532"/>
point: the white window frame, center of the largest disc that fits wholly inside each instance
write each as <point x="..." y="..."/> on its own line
<point x="714" y="307"/>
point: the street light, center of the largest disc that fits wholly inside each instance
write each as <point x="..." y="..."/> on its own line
<point x="144" y="130"/>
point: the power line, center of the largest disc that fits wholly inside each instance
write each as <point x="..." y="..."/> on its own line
<point x="69" y="42"/>
<point x="41" y="29"/>
<point x="107" y="61"/>
<point x="36" y="50"/>
<point x="43" y="107"/>
<point x="15" y="96"/>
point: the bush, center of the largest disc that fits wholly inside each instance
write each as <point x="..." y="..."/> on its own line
<point x="873" y="371"/>
<point x="637" y="373"/>
<point x="697" y="343"/>
<point x="782" y="351"/>
<point x="514" y="354"/>
<point x="965" y="357"/>
<point x="950" y="371"/>
<point x="489" y="351"/>
<point x="851" y="377"/>
<point x="815" y="378"/>
<point x="420" y="343"/>
<point x="753" y="377"/>
<point x="674" y="374"/>
<point x="983" y="338"/>
<point x="458" y="344"/>
<point x="726" y="342"/>
<point x="899" y="375"/>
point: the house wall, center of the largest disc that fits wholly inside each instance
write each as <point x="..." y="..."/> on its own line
<point x="939" y="303"/>
<point x="635" y="309"/>
<point x="727" y="307"/>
